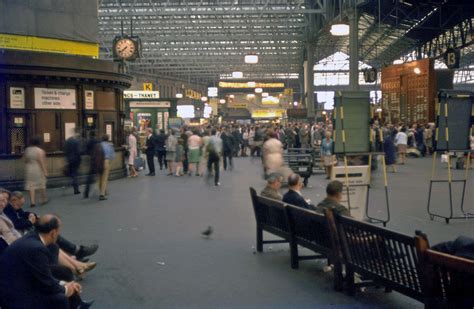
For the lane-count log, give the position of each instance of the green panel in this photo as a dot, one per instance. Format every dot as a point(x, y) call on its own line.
point(356, 107)
point(460, 109)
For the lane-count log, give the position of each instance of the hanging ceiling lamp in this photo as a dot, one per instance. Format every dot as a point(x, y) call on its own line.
point(251, 58)
point(237, 74)
point(340, 28)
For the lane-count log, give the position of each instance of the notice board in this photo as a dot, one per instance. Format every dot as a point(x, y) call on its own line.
point(352, 113)
point(459, 109)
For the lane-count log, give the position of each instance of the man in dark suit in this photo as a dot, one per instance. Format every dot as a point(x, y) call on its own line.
point(26, 280)
point(150, 151)
point(228, 143)
point(160, 148)
point(72, 152)
point(293, 196)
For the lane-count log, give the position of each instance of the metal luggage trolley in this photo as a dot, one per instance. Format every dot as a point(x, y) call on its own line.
point(300, 161)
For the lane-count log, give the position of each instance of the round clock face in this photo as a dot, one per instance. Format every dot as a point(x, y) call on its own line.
point(125, 48)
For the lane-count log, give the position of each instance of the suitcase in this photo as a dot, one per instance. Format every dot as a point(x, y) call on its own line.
point(139, 163)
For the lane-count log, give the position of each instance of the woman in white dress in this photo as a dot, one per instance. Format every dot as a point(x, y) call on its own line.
point(133, 153)
point(35, 171)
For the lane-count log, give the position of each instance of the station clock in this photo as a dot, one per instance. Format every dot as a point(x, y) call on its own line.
point(126, 48)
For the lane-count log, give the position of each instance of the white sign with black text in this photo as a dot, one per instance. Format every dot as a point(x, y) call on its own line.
point(155, 104)
point(89, 99)
point(50, 98)
point(358, 179)
point(17, 97)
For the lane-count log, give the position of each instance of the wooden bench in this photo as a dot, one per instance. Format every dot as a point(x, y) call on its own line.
point(448, 280)
point(301, 164)
point(384, 257)
point(270, 216)
point(310, 230)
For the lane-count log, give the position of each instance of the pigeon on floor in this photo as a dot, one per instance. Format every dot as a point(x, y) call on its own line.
point(207, 233)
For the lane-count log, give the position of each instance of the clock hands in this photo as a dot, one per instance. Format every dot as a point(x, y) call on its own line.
point(125, 48)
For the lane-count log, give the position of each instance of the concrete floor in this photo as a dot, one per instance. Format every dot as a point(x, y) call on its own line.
point(152, 255)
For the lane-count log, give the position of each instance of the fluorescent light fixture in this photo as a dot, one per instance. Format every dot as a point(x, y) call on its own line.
point(398, 61)
point(251, 84)
point(324, 112)
point(250, 96)
point(295, 103)
point(222, 101)
point(378, 110)
point(340, 29)
point(237, 74)
point(417, 71)
point(258, 90)
point(231, 96)
point(179, 96)
point(264, 94)
point(204, 99)
point(251, 58)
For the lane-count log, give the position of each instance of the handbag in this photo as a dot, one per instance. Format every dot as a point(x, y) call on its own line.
point(139, 163)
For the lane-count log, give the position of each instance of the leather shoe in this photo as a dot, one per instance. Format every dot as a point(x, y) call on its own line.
point(151, 174)
point(85, 304)
point(86, 251)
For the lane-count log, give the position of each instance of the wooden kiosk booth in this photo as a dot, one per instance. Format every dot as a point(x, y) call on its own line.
point(49, 95)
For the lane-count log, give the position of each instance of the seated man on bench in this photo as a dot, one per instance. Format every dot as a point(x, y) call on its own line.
point(273, 186)
point(333, 199)
point(294, 196)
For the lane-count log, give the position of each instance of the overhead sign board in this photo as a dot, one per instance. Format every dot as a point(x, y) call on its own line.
point(189, 93)
point(50, 98)
point(154, 104)
point(133, 94)
point(270, 100)
point(212, 92)
point(247, 85)
point(267, 113)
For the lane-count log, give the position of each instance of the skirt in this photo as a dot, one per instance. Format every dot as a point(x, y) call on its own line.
point(170, 155)
point(402, 148)
point(193, 155)
point(328, 160)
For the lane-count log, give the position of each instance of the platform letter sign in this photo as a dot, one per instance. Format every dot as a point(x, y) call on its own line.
point(17, 97)
point(451, 58)
point(370, 75)
point(50, 98)
point(147, 87)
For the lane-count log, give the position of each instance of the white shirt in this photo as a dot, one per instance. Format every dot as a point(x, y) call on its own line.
point(401, 138)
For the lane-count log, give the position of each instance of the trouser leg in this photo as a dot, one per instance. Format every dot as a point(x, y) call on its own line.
point(67, 246)
point(216, 171)
point(104, 177)
point(151, 163)
point(73, 173)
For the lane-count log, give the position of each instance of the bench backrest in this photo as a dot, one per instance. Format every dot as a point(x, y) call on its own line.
point(448, 279)
point(382, 254)
point(269, 212)
point(309, 227)
point(272, 213)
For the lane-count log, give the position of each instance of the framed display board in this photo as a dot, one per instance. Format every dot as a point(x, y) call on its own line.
point(456, 112)
point(352, 114)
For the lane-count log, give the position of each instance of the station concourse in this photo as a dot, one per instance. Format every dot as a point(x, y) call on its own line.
point(197, 154)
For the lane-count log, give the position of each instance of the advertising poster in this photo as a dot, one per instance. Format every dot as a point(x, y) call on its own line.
point(143, 121)
point(89, 99)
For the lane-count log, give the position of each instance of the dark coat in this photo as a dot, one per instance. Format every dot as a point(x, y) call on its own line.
point(160, 142)
point(228, 142)
point(389, 149)
point(25, 276)
point(462, 246)
point(150, 145)
point(72, 151)
point(19, 217)
point(294, 198)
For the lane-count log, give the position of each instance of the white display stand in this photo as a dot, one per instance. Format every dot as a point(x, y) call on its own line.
point(359, 180)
